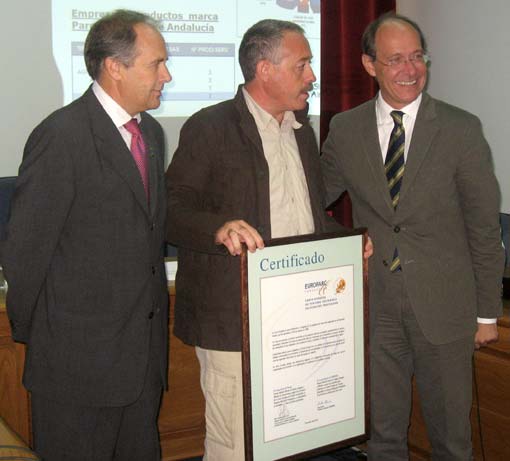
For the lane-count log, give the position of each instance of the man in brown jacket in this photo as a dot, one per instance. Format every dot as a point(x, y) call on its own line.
point(246, 170)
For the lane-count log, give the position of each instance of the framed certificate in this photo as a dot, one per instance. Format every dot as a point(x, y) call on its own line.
point(305, 353)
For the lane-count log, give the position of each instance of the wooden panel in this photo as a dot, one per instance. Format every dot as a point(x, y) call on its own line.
point(493, 378)
point(418, 456)
point(496, 436)
point(492, 365)
point(181, 420)
point(14, 403)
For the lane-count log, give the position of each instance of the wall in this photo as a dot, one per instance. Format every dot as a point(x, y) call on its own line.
point(468, 41)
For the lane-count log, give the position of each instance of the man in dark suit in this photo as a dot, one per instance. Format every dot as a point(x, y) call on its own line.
point(421, 180)
point(84, 255)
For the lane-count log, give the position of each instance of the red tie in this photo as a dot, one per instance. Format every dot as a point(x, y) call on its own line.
point(139, 152)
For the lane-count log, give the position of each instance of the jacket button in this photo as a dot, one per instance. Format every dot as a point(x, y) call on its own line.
point(153, 270)
point(151, 314)
point(396, 229)
point(385, 263)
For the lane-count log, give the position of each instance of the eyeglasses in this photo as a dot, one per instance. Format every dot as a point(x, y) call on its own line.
point(416, 59)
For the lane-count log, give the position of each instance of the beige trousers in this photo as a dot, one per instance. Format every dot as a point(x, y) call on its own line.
point(222, 385)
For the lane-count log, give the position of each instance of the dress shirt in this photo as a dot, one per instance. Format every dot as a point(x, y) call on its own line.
point(290, 209)
point(385, 126)
point(385, 123)
point(118, 115)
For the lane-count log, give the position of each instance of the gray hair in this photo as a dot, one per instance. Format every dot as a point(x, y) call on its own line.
point(113, 36)
point(368, 38)
point(262, 41)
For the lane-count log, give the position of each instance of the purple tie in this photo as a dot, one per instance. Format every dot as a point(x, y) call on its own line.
point(139, 152)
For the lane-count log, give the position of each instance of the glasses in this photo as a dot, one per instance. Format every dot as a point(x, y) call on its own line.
point(416, 59)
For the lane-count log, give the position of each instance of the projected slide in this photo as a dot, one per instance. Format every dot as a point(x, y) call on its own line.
point(202, 38)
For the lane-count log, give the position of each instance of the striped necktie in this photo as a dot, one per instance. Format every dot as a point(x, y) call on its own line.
point(394, 168)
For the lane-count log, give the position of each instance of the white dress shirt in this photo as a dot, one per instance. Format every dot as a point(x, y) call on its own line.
point(385, 123)
point(118, 115)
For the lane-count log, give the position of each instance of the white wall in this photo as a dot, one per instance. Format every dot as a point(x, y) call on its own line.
point(469, 43)
point(29, 81)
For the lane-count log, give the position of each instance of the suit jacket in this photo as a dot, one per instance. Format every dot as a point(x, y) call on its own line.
point(446, 224)
point(84, 258)
point(219, 173)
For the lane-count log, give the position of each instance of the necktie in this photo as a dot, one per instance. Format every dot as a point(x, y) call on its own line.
point(394, 167)
point(139, 152)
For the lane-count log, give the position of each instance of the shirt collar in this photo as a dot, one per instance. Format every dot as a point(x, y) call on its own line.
point(383, 109)
point(118, 115)
point(263, 119)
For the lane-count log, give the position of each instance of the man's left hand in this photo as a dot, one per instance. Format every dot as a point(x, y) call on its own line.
point(487, 333)
point(369, 249)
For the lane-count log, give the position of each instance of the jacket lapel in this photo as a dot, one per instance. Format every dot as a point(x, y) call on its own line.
point(112, 148)
point(154, 167)
point(425, 129)
point(303, 147)
point(246, 121)
point(372, 149)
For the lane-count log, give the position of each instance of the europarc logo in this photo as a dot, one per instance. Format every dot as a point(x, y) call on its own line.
point(321, 286)
point(303, 6)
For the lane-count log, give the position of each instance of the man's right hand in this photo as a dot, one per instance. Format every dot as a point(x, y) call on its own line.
point(233, 233)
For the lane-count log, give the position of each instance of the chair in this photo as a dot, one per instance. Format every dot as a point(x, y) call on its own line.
point(12, 447)
point(6, 191)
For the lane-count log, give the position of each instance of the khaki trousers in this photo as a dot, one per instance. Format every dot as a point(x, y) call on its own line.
point(222, 385)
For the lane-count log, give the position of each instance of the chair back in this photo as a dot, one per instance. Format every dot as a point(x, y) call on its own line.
point(6, 191)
